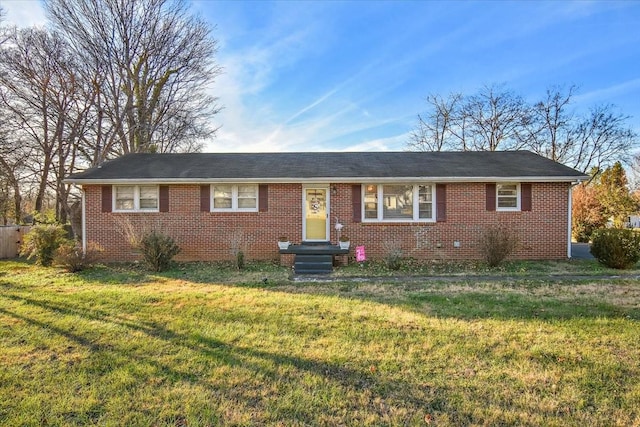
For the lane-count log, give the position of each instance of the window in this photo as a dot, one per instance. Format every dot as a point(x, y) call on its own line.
point(425, 198)
point(398, 202)
point(507, 197)
point(135, 198)
point(222, 196)
point(125, 197)
point(371, 202)
point(227, 197)
point(148, 197)
point(247, 197)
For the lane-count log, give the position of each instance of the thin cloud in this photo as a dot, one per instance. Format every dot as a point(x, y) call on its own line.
point(609, 92)
point(312, 105)
point(24, 13)
point(333, 76)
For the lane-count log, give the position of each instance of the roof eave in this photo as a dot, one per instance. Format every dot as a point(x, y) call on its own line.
point(346, 180)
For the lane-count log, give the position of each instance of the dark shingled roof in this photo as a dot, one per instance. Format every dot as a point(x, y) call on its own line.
point(298, 167)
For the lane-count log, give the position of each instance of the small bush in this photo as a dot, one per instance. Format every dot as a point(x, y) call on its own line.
point(496, 244)
point(158, 250)
point(393, 259)
point(616, 248)
point(42, 241)
point(238, 246)
point(70, 256)
point(240, 260)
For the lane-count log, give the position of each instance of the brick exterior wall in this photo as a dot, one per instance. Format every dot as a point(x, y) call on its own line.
point(208, 236)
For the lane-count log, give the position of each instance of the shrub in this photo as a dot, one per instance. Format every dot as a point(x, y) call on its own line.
point(42, 241)
point(496, 244)
point(616, 248)
point(240, 260)
point(238, 246)
point(158, 250)
point(393, 259)
point(71, 257)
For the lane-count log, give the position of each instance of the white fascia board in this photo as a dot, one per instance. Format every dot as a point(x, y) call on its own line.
point(319, 180)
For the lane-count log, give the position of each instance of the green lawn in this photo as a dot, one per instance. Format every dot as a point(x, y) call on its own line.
point(198, 345)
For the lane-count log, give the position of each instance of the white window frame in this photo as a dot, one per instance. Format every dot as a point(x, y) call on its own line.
point(136, 198)
point(416, 203)
point(518, 197)
point(234, 198)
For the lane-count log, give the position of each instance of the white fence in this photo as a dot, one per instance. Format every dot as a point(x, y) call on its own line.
point(11, 239)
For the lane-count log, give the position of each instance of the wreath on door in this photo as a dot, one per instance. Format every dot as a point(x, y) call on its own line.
point(315, 205)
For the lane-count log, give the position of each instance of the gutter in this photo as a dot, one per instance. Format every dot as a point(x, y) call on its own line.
point(319, 180)
point(84, 222)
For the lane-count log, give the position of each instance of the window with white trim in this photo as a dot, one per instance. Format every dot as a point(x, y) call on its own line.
point(231, 198)
point(132, 198)
point(398, 202)
point(508, 196)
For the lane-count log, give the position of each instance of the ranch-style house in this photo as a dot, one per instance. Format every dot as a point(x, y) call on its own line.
point(428, 205)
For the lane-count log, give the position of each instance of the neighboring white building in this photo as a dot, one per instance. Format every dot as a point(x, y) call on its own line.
point(633, 221)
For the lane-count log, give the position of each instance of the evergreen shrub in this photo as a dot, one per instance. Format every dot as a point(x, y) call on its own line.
point(616, 248)
point(42, 241)
point(158, 250)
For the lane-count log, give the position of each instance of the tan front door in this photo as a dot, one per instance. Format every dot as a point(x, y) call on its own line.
point(316, 204)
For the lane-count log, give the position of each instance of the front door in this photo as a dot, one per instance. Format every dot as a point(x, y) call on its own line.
point(315, 222)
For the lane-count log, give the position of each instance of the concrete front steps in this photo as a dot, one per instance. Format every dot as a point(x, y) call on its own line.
point(313, 264)
point(314, 257)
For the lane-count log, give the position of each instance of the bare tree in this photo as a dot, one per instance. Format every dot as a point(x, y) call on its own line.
point(592, 141)
point(492, 119)
point(602, 138)
point(120, 76)
point(152, 64)
point(550, 133)
point(438, 130)
point(13, 158)
point(2, 15)
point(43, 110)
point(12, 168)
point(496, 119)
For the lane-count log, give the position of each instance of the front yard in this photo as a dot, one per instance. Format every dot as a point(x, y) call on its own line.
point(198, 345)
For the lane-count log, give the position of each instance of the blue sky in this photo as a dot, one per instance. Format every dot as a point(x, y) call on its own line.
point(333, 76)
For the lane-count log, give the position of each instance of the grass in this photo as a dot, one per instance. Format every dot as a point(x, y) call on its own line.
point(201, 345)
point(410, 267)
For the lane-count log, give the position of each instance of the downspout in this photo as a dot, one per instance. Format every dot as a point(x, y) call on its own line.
point(84, 222)
point(569, 220)
point(569, 217)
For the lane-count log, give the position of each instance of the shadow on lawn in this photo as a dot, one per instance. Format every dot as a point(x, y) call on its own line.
point(480, 298)
point(384, 393)
point(469, 300)
point(473, 305)
point(378, 394)
point(429, 296)
point(196, 272)
point(498, 297)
